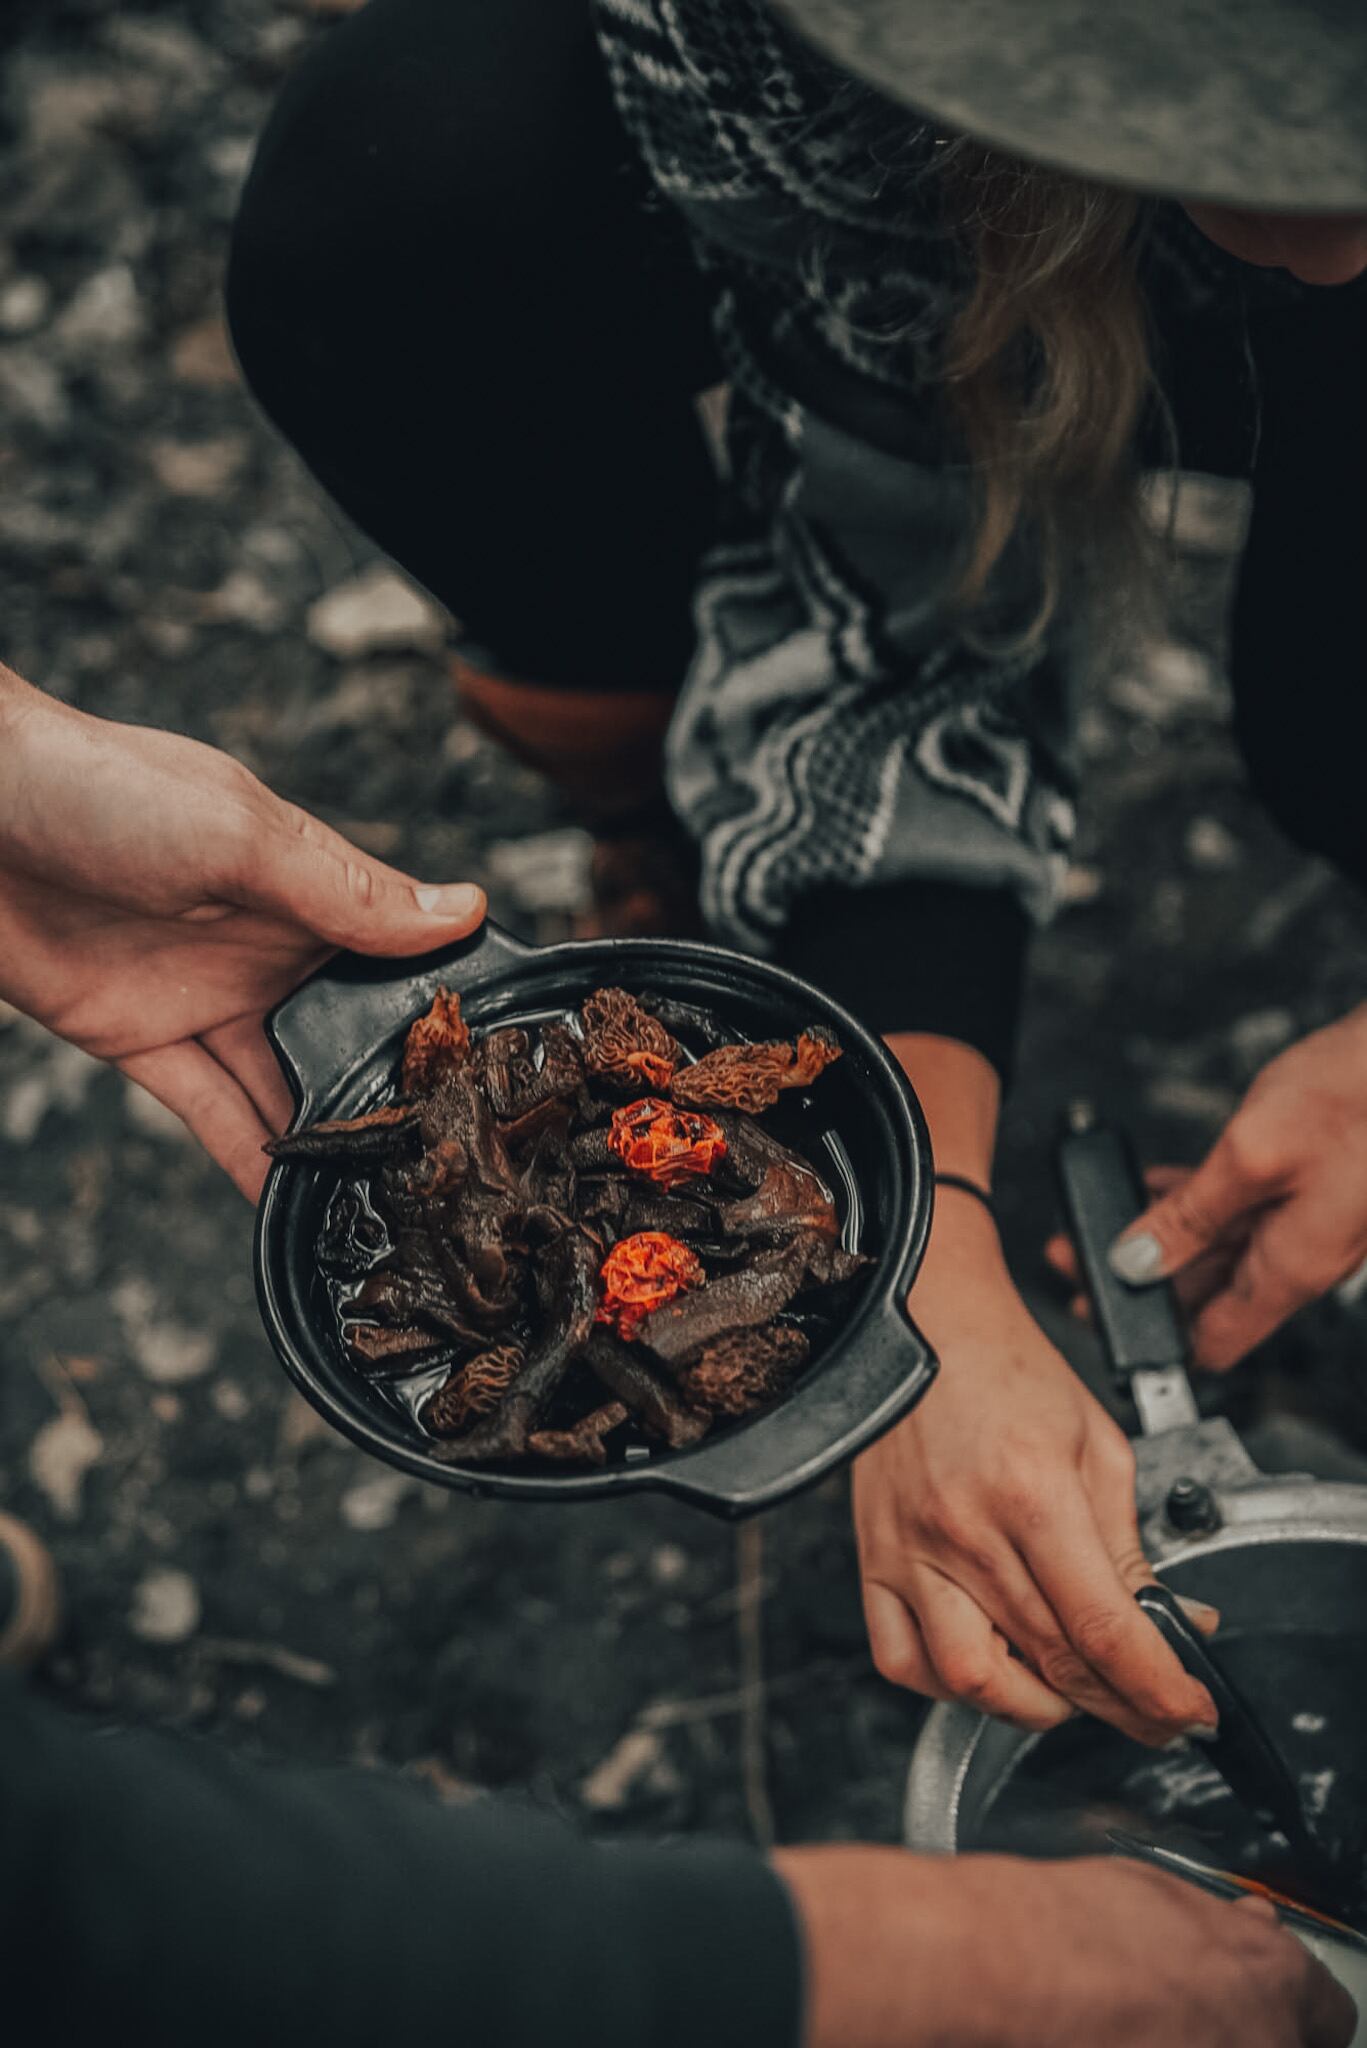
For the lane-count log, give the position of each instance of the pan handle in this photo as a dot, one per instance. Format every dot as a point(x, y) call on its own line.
point(354, 1003)
point(1140, 1329)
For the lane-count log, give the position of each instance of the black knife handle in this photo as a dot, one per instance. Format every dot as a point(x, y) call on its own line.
point(1241, 1749)
point(1103, 1191)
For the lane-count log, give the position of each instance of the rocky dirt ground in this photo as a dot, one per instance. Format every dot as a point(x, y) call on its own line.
point(230, 1565)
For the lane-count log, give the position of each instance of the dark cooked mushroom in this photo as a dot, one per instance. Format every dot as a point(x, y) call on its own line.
point(568, 1285)
point(385, 1351)
point(582, 1442)
point(790, 1198)
point(628, 1373)
point(370, 1140)
point(740, 1371)
point(437, 1046)
point(473, 1389)
point(625, 1045)
point(680, 1332)
point(750, 1077)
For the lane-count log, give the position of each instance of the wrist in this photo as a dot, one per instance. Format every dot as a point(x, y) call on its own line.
point(25, 715)
point(870, 1978)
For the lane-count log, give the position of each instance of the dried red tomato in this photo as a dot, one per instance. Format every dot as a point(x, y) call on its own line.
point(643, 1273)
point(668, 1144)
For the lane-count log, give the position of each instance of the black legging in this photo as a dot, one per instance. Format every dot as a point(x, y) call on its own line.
point(454, 291)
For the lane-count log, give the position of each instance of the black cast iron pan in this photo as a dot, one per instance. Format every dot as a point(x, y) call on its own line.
point(339, 1039)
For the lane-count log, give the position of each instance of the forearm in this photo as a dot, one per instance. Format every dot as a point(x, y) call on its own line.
point(172, 1892)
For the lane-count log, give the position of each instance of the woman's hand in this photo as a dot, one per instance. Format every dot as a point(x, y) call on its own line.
point(1276, 1214)
point(156, 901)
point(1000, 1516)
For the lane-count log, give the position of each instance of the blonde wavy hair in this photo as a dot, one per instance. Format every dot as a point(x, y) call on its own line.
point(1048, 373)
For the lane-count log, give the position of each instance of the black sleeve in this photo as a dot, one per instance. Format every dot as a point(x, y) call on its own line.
point(944, 958)
point(161, 1891)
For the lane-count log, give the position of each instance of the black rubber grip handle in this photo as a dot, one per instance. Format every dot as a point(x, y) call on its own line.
point(1102, 1191)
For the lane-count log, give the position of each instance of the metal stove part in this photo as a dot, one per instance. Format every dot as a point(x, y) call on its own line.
point(1190, 1506)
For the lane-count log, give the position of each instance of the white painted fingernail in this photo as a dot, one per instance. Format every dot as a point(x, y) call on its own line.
point(1136, 1259)
point(1202, 1731)
point(453, 899)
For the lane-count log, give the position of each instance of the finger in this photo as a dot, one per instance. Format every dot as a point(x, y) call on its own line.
point(1059, 1250)
point(1284, 1266)
point(214, 1107)
point(970, 1657)
point(1328, 2015)
point(301, 869)
point(1191, 1218)
point(243, 1048)
point(1117, 1518)
point(895, 1642)
point(1097, 1612)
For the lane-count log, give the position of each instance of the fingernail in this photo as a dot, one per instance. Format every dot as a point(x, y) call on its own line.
point(1199, 1611)
point(452, 899)
point(1136, 1259)
point(1202, 1731)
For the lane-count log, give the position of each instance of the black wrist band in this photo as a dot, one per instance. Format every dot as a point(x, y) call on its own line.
point(968, 1187)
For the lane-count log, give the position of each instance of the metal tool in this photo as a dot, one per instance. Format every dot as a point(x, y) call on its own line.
point(1103, 1192)
point(1228, 1884)
point(1242, 1753)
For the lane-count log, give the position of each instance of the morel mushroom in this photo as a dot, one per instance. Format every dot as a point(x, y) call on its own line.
point(624, 1044)
point(740, 1371)
point(473, 1390)
point(750, 1077)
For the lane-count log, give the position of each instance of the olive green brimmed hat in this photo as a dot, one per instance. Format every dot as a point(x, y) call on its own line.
point(1251, 103)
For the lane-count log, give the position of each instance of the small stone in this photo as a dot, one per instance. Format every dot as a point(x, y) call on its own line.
point(242, 599)
point(102, 314)
point(164, 1351)
point(230, 1401)
point(638, 1759)
point(167, 1407)
point(171, 638)
point(230, 157)
point(202, 355)
point(376, 611)
point(166, 1606)
point(258, 1482)
point(24, 304)
point(545, 873)
point(32, 389)
point(1255, 1038)
point(251, 1704)
point(669, 1564)
point(59, 1457)
point(1212, 847)
point(1081, 884)
point(197, 469)
point(375, 1503)
point(60, 1081)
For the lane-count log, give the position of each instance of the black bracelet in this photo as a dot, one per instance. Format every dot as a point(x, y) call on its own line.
point(968, 1187)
